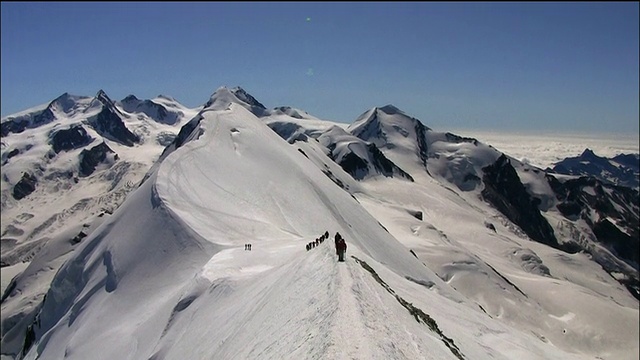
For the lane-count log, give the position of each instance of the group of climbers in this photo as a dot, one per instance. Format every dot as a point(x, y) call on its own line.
point(341, 244)
point(318, 241)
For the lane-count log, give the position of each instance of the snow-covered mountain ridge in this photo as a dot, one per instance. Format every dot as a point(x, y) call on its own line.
point(72, 160)
point(441, 262)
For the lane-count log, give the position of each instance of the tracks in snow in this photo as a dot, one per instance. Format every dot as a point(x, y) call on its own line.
point(349, 338)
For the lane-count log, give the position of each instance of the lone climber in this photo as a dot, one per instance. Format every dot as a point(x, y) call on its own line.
point(341, 248)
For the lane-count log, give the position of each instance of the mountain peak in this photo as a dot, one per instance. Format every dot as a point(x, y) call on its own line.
point(130, 97)
point(241, 94)
point(293, 112)
point(223, 97)
point(103, 98)
point(619, 170)
point(65, 95)
point(109, 122)
point(378, 122)
point(220, 99)
point(166, 97)
point(588, 153)
point(390, 110)
point(65, 101)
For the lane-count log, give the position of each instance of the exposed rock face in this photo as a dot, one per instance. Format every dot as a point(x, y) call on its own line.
point(255, 106)
point(288, 131)
point(375, 163)
point(109, 124)
point(354, 165)
point(384, 165)
point(25, 186)
point(504, 190)
point(8, 155)
point(150, 108)
point(381, 126)
point(186, 132)
point(19, 124)
point(453, 138)
point(632, 161)
point(421, 138)
point(89, 159)
point(582, 197)
point(68, 139)
point(371, 129)
point(294, 113)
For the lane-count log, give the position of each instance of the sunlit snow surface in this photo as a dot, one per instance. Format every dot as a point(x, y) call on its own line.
point(167, 276)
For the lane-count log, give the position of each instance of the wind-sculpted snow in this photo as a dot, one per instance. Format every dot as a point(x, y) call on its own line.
point(123, 277)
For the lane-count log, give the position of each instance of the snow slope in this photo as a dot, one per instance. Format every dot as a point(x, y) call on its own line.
point(167, 276)
point(442, 218)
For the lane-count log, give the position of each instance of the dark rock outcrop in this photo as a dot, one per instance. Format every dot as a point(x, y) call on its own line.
point(385, 166)
point(189, 131)
point(25, 186)
point(150, 108)
point(457, 139)
point(354, 165)
point(371, 130)
point(625, 246)
point(373, 127)
point(19, 124)
point(288, 131)
point(68, 139)
point(9, 154)
point(89, 159)
point(421, 138)
point(254, 105)
point(631, 161)
point(294, 113)
point(13, 153)
point(416, 214)
point(109, 124)
point(583, 197)
point(359, 168)
point(504, 190)
point(186, 131)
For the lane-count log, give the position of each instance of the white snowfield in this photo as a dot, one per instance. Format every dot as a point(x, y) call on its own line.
point(168, 277)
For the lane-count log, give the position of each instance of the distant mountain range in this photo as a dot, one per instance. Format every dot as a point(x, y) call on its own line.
point(123, 222)
point(622, 169)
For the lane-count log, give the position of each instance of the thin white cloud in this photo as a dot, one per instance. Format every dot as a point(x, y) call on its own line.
point(544, 150)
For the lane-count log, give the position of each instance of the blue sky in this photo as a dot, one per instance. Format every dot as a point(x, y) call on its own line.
point(567, 67)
